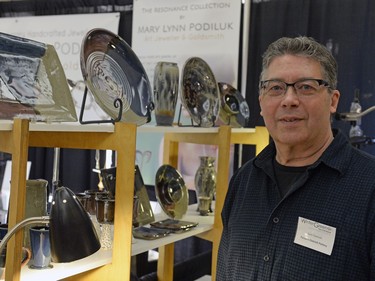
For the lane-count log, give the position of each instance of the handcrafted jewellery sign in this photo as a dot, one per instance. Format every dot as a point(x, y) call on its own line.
point(170, 30)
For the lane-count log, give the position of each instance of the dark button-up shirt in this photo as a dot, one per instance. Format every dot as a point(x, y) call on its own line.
point(260, 226)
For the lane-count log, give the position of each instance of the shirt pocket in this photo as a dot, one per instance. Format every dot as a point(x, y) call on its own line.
point(302, 263)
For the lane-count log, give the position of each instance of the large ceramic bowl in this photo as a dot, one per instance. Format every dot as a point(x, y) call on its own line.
point(113, 71)
point(234, 110)
point(171, 191)
point(199, 92)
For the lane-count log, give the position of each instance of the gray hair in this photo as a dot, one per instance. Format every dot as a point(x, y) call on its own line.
point(306, 47)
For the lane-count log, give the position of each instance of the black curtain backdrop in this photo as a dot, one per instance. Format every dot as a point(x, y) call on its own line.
point(347, 27)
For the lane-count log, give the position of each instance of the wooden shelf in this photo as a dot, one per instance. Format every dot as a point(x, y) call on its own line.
point(104, 257)
point(17, 136)
point(6, 125)
point(223, 137)
point(205, 224)
point(64, 270)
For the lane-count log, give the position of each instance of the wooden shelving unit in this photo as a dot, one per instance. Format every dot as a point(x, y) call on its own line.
point(223, 137)
point(16, 137)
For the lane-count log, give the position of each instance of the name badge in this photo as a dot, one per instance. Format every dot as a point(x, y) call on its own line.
point(316, 236)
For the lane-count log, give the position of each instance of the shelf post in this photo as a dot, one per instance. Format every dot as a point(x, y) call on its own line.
point(223, 165)
point(20, 142)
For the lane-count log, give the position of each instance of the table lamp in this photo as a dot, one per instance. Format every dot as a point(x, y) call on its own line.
point(72, 234)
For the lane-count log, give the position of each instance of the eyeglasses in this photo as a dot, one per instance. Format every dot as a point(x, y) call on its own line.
point(303, 88)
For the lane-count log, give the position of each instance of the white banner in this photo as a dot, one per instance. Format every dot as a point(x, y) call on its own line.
point(65, 33)
point(175, 30)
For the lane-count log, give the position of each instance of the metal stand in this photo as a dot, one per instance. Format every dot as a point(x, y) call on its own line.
point(192, 122)
point(117, 104)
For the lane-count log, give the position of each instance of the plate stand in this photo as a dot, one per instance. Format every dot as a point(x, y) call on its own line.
point(229, 116)
point(117, 104)
point(192, 122)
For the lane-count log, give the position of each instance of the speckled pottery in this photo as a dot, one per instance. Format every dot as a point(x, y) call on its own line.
point(205, 184)
point(166, 79)
point(200, 93)
point(234, 110)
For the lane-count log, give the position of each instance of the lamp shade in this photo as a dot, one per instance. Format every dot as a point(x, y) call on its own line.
point(72, 234)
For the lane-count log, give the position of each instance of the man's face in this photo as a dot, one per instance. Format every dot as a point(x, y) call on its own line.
point(294, 119)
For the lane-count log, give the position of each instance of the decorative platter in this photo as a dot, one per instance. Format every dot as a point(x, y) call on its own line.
point(112, 72)
point(33, 84)
point(175, 226)
point(234, 110)
point(171, 192)
point(149, 233)
point(199, 92)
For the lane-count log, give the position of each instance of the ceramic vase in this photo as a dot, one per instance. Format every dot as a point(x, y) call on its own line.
point(205, 184)
point(36, 203)
point(166, 79)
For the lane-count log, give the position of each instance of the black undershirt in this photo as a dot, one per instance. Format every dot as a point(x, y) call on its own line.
point(286, 176)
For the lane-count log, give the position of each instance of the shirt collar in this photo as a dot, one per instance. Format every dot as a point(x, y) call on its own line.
point(337, 155)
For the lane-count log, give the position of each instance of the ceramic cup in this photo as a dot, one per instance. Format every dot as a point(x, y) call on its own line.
point(40, 247)
point(105, 209)
point(83, 199)
point(90, 201)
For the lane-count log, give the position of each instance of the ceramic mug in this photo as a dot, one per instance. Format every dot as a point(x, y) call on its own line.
point(83, 199)
point(105, 209)
point(40, 247)
point(90, 201)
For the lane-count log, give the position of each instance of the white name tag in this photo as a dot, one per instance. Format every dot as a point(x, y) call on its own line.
point(315, 235)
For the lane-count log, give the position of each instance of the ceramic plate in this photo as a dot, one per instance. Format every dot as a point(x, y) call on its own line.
point(234, 110)
point(171, 192)
point(33, 84)
point(174, 225)
point(113, 71)
point(149, 233)
point(199, 92)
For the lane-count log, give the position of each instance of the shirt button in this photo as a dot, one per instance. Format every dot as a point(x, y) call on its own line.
point(276, 220)
point(266, 258)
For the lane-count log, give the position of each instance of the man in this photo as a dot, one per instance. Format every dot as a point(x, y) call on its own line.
point(304, 208)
